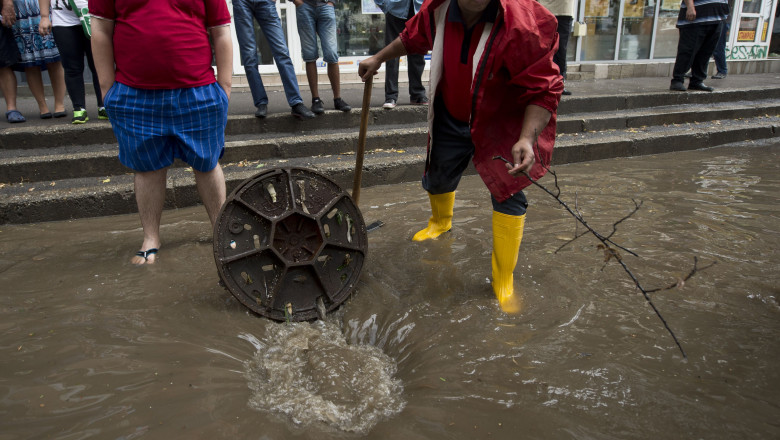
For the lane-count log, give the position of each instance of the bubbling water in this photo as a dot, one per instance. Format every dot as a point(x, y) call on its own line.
point(308, 373)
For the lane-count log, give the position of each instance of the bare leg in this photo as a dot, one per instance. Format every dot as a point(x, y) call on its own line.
point(8, 86)
point(150, 197)
point(35, 83)
point(311, 75)
point(57, 77)
point(211, 187)
point(334, 76)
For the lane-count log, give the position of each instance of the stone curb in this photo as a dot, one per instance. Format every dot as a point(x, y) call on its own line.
point(88, 198)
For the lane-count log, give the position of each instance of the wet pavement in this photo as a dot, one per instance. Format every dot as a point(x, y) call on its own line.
point(92, 347)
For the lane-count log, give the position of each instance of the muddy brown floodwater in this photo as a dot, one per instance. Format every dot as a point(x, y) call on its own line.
point(91, 347)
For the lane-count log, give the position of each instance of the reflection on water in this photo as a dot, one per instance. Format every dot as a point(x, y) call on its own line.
point(92, 347)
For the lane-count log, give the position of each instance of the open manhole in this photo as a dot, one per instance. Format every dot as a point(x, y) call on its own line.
point(290, 244)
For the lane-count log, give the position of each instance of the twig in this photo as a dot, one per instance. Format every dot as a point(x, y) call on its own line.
point(610, 247)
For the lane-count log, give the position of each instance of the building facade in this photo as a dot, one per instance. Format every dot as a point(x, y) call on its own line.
point(604, 31)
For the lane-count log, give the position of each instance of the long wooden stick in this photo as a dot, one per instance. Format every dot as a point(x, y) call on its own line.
point(361, 151)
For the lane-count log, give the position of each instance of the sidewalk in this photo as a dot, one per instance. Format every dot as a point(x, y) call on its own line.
point(241, 99)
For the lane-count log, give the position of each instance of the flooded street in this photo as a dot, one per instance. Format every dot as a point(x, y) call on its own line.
point(92, 347)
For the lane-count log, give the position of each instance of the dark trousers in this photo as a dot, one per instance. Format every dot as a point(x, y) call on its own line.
point(451, 152)
point(697, 42)
point(564, 30)
point(416, 63)
point(73, 46)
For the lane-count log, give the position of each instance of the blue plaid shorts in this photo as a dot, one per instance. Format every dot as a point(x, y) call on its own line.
point(153, 127)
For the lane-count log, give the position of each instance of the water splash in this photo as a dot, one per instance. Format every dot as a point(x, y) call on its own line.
point(309, 373)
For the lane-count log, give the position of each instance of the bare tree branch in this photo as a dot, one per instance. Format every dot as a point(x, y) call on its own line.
point(610, 248)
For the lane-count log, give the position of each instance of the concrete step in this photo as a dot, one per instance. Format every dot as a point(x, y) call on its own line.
point(113, 194)
point(607, 100)
point(386, 133)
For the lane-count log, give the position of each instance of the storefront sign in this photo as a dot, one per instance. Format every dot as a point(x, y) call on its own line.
point(746, 36)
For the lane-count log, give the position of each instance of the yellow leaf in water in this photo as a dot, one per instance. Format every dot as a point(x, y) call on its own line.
point(53, 183)
point(106, 180)
point(401, 151)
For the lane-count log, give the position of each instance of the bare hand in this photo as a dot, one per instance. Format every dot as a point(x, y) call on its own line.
point(523, 156)
point(690, 14)
point(9, 15)
point(368, 68)
point(44, 27)
point(227, 88)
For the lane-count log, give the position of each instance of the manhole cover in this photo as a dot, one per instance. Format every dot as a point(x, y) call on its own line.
point(290, 244)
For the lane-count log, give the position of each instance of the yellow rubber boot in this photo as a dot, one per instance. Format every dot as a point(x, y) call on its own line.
point(507, 235)
point(441, 216)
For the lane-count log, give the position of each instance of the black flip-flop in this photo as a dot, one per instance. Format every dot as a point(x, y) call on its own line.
point(46, 115)
point(59, 114)
point(145, 254)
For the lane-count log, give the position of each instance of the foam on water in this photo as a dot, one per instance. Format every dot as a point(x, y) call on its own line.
point(310, 374)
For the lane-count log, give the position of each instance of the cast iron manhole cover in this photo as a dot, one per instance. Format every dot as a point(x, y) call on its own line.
point(290, 244)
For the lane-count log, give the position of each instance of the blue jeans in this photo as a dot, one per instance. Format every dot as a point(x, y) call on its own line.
point(720, 50)
point(316, 21)
point(264, 11)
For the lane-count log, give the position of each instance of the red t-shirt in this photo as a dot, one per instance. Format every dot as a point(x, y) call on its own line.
point(162, 44)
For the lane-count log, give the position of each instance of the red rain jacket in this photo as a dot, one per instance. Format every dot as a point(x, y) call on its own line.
point(515, 68)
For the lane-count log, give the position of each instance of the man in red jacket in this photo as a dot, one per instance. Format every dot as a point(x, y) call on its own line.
point(495, 92)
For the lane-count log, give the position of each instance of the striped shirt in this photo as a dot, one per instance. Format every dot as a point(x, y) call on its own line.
point(707, 12)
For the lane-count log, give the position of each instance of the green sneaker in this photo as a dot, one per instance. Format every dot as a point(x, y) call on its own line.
point(102, 114)
point(79, 116)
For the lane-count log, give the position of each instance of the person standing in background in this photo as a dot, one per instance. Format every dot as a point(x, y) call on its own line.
point(264, 11)
point(38, 52)
point(317, 18)
point(564, 11)
point(397, 12)
point(9, 56)
point(700, 23)
point(61, 21)
point(719, 54)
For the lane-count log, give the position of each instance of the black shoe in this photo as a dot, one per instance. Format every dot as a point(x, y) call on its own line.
point(341, 105)
point(262, 111)
point(301, 112)
point(317, 107)
point(566, 92)
point(677, 86)
point(419, 101)
point(701, 87)
point(719, 76)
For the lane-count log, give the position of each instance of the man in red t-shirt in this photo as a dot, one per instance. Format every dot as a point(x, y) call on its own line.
point(495, 91)
point(153, 59)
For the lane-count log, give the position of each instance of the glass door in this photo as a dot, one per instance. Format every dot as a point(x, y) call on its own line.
point(754, 21)
point(636, 33)
point(667, 35)
point(602, 20)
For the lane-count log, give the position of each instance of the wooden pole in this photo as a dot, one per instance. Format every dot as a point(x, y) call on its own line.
point(361, 151)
